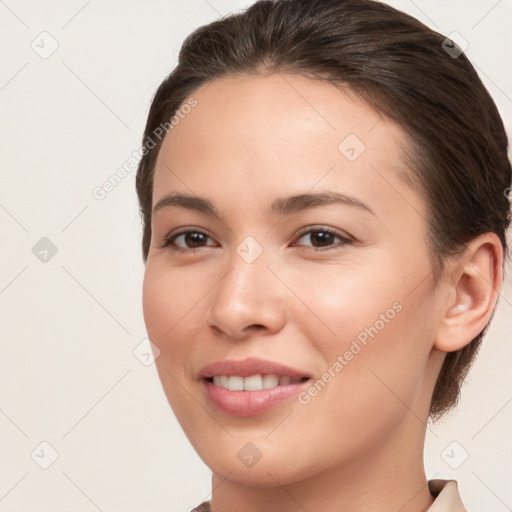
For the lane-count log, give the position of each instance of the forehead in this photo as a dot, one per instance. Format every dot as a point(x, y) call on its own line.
point(255, 135)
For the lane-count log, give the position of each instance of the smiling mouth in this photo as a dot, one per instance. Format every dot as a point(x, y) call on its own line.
point(255, 382)
point(251, 386)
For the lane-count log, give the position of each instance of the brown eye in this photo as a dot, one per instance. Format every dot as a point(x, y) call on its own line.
point(187, 240)
point(323, 238)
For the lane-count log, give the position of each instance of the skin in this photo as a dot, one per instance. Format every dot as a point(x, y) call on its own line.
point(358, 444)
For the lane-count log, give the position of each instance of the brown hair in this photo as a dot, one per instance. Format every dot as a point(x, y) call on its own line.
point(411, 74)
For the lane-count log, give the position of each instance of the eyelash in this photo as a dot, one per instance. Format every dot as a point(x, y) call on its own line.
point(169, 241)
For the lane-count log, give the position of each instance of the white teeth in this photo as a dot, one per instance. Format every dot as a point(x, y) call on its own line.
point(236, 383)
point(253, 382)
point(270, 381)
point(221, 380)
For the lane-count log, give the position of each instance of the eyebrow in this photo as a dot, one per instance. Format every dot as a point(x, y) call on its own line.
point(282, 206)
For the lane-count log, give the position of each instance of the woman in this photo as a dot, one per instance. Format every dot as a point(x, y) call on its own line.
point(324, 202)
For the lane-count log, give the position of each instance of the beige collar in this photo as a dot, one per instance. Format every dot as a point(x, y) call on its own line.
point(447, 498)
point(445, 492)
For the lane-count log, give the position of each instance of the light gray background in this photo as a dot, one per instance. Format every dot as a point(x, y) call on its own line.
point(68, 375)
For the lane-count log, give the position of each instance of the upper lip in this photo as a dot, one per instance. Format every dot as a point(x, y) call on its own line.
point(247, 367)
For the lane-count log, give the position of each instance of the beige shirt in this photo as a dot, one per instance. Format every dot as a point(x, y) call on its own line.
point(445, 492)
point(447, 498)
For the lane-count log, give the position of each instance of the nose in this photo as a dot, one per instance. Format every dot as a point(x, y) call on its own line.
point(248, 299)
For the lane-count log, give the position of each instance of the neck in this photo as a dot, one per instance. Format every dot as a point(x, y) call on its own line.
point(389, 477)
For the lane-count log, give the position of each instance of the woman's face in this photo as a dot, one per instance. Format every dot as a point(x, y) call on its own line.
point(305, 249)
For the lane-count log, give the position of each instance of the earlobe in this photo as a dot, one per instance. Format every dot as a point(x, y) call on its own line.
point(476, 281)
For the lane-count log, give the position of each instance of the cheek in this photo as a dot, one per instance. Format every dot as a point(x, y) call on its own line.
point(168, 297)
point(375, 337)
point(169, 304)
point(343, 300)
point(157, 304)
point(365, 295)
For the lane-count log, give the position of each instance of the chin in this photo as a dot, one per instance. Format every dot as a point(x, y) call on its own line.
point(273, 468)
point(262, 475)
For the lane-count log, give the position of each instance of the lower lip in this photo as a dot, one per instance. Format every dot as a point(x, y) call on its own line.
point(250, 403)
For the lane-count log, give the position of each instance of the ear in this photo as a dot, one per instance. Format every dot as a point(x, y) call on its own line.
point(473, 283)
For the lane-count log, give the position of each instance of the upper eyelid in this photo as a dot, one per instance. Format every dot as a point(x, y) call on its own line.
point(334, 231)
point(168, 238)
point(187, 229)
